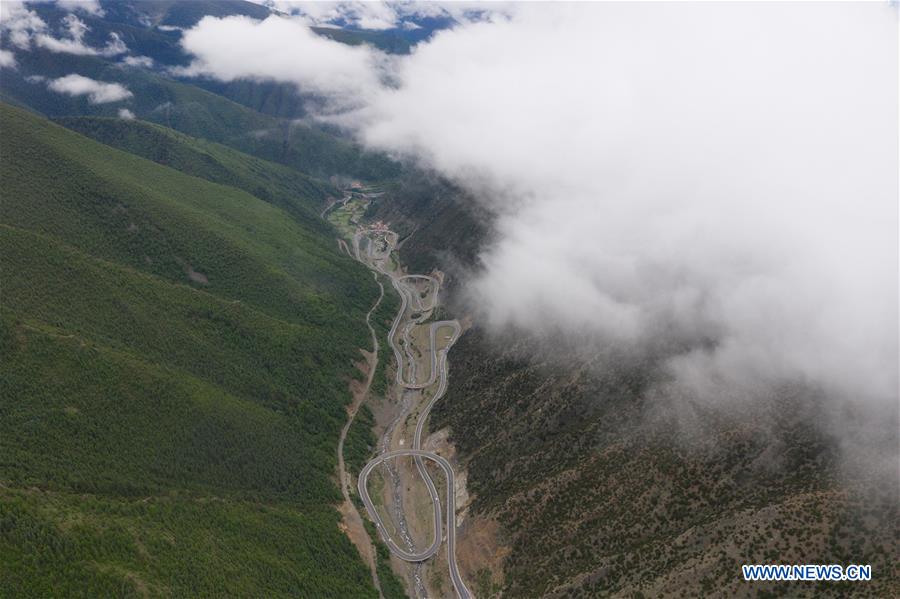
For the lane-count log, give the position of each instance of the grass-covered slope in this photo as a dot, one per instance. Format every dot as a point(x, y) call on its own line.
point(120, 207)
point(301, 196)
point(175, 364)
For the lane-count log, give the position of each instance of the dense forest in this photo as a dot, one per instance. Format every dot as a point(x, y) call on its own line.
point(176, 360)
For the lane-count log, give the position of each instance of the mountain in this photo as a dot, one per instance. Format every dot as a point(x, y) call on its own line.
point(592, 490)
point(178, 327)
point(190, 110)
point(298, 194)
point(152, 29)
point(176, 360)
point(582, 486)
point(180, 336)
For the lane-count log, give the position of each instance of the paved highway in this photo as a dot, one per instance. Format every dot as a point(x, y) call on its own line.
point(409, 295)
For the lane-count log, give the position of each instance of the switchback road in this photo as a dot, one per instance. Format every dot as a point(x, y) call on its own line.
point(412, 312)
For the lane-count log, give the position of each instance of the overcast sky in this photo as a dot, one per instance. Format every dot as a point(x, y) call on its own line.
point(721, 172)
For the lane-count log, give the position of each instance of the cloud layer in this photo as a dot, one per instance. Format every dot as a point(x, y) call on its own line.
point(718, 177)
point(721, 175)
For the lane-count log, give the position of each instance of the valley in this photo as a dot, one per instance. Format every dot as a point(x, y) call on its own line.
point(388, 300)
point(420, 347)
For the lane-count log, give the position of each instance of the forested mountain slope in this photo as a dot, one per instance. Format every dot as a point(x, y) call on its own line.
point(440, 225)
point(600, 491)
point(176, 358)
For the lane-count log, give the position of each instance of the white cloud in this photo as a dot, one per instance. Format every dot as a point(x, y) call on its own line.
point(379, 15)
point(720, 177)
point(7, 60)
point(281, 49)
point(126, 114)
point(24, 27)
point(91, 7)
point(138, 61)
point(73, 44)
point(97, 92)
point(722, 173)
point(365, 15)
point(114, 46)
point(19, 23)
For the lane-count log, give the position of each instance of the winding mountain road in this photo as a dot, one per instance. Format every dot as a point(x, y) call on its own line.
point(409, 295)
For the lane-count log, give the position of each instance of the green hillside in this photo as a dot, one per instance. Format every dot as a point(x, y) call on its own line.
point(175, 362)
point(193, 111)
point(299, 195)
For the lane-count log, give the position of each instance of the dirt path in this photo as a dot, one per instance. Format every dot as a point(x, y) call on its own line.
point(352, 521)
